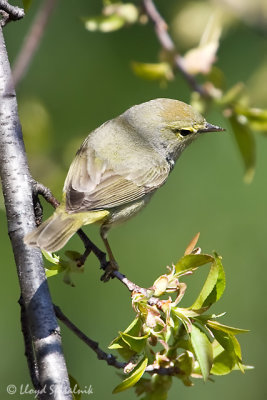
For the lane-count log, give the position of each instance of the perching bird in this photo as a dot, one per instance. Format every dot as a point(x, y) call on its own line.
point(119, 167)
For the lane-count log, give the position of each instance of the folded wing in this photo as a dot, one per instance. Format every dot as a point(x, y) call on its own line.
point(95, 182)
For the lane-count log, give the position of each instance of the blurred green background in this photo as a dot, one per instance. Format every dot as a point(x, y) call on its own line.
point(77, 81)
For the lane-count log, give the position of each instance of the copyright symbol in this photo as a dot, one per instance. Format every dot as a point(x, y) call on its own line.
point(11, 389)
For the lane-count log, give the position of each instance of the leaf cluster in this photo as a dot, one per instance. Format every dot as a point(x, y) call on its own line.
point(169, 341)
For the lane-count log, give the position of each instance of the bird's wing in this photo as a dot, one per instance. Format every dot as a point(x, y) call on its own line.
point(93, 182)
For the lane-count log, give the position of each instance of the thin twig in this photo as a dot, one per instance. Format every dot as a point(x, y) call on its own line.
point(101, 355)
point(39, 188)
point(9, 12)
point(32, 40)
point(161, 29)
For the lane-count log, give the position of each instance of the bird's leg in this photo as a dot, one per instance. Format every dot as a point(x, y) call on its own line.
point(112, 264)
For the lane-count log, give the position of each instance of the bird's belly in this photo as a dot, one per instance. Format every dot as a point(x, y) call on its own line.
point(122, 214)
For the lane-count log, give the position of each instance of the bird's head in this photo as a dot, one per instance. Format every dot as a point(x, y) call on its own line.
point(168, 124)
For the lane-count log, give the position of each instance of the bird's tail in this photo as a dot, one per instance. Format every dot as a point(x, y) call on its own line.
point(54, 233)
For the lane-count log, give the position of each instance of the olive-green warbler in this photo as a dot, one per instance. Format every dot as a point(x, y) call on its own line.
point(119, 167)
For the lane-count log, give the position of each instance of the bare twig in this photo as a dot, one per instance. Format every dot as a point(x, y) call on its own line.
point(101, 355)
point(39, 188)
point(161, 29)
point(9, 12)
point(32, 40)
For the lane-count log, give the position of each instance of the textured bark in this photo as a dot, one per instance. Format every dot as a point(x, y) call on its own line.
point(17, 190)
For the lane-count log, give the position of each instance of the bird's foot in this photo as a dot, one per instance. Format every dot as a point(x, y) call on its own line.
point(109, 268)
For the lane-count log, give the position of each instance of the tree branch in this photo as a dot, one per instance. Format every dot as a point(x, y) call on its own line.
point(101, 355)
point(32, 40)
point(10, 12)
point(17, 190)
point(161, 30)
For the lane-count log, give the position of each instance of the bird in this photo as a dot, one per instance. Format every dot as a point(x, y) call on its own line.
point(118, 168)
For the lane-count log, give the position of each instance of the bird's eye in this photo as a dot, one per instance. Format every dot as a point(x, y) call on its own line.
point(185, 132)
point(182, 132)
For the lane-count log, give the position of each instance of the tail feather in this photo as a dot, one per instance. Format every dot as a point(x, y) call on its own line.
point(54, 233)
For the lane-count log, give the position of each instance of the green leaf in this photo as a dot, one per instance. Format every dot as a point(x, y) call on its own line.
point(75, 388)
point(133, 329)
point(133, 378)
point(192, 261)
point(224, 328)
point(213, 287)
point(185, 362)
point(155, 388)
point(231, 346)
point(121, 345)
point(128, 11)
point(183, 318)
point(56, 267)
point(223, 364)
point(104, 23)
point(246, 144)
point(51, 257)
point(158, 71)
point(53, 272)
point(136, 343)
point(203, 350)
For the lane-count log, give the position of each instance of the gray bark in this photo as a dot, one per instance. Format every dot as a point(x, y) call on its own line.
point(17, 189)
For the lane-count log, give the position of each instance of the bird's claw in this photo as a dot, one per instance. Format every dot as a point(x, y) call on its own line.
point(109, 268)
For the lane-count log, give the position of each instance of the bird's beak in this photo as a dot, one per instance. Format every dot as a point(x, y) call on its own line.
point(210, 128)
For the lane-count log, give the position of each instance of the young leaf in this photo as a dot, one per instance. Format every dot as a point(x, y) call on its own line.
point(104, 23)
point(119, 344)
point(136, 343)
point(203, 350)
point(51, 257)
point(53, 272)
point(232, 348)
point(213, 287)
point(158, 71)
point(192, 261)
point(133, 378)
point(183, 318)
point(223, 364)
point(246, 144)
point(225, 328)
point(160, 285)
